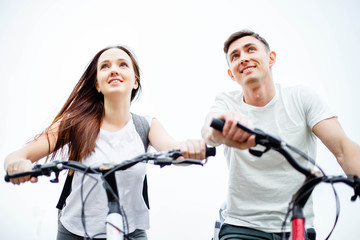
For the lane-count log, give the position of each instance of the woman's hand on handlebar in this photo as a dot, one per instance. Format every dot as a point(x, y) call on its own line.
point(193, 148)
point(20, 165)
point(232, 135)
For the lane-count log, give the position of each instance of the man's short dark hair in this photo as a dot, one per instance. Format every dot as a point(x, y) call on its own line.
point(243, 33)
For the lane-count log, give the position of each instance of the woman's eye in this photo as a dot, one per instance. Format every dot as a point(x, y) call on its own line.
point(104, 66)
point(251, 49)
point(123, 64)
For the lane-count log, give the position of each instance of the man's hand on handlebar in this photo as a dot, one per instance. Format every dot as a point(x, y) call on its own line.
point(232, 135)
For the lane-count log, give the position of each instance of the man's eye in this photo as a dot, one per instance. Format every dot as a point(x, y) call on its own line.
point(251, 49)
point(234, 57)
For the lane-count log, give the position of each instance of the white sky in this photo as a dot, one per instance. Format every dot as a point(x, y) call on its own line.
point(46, 45)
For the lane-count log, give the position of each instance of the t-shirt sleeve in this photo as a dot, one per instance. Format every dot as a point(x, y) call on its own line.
point(149, 119)
point(315, 108)
point(220, 104)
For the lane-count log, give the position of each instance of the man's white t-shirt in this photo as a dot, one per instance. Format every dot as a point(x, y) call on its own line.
point(111, 147)
point(260, 189)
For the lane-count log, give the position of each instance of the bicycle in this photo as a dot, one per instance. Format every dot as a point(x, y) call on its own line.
point(312, 178)
point(116, 222)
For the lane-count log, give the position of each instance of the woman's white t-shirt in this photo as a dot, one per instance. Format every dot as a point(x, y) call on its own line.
point(111, 147)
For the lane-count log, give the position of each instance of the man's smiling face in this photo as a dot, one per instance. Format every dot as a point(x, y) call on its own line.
point(249, 60)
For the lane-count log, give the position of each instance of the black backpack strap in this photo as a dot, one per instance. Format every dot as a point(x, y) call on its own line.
point(143, 128)
point(145, 192)
point(65, 192)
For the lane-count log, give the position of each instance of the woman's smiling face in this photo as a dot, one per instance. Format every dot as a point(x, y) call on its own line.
point(115, 73)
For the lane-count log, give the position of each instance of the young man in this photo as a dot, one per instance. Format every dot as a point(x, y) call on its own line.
point(260, 189)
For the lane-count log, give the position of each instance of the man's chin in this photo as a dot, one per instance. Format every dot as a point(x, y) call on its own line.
point(252, 81)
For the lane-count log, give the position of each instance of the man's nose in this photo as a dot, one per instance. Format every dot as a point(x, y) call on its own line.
point(244, 58)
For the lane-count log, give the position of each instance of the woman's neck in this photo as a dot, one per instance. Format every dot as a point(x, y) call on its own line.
point(117, 115)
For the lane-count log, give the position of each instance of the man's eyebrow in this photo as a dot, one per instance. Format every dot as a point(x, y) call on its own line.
point(249, 44)
point(244, 46)
point(233, 51)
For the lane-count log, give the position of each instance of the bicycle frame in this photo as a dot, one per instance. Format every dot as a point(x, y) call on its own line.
point(115, 229)
point(311, 181)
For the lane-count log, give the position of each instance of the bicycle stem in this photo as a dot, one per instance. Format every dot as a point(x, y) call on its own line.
point(114, 220)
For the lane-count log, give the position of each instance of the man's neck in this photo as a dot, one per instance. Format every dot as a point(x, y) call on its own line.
point(259, 94)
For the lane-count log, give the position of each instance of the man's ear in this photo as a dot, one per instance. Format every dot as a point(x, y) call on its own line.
point(231, 75)
point(272, 56)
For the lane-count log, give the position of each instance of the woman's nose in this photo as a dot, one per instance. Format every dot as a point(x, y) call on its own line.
point(114, 72)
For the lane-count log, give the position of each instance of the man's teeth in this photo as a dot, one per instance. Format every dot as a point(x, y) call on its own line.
point(248, 69)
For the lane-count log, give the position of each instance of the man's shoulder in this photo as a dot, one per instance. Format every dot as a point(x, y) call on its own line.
point(291, 87)
point(236, 94)
point(294, 90)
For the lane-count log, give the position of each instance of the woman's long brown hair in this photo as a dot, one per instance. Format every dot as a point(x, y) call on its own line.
point(81, 116)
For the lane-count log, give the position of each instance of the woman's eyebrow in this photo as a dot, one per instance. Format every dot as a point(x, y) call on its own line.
point(118, 60)
point(104, 61)
point(122, 59)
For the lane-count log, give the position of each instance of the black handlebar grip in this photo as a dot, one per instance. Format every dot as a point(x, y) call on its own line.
point(217, 124)
point(210, 151)
point(7, 179)
point(19, 174)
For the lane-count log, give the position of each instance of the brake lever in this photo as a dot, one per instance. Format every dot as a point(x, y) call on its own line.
point(356, 188)
point(171, 154)
point(261, 138)
point(191, 161)
point(46, 170)
point(162, 162)
point(174, 154)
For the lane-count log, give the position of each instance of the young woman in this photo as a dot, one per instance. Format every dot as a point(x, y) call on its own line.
point(95, 126)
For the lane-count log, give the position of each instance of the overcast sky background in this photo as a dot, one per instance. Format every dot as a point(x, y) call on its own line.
point(46, 45)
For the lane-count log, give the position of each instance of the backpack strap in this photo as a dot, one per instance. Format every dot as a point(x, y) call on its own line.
point(143, 128)
point(66, 191)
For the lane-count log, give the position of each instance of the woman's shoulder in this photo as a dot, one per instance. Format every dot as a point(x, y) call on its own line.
point(141, 119)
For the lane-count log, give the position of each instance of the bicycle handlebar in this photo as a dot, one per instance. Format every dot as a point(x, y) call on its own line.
point(312, 178)
point(157, 158)
point(261, 137)
point(269, 142)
